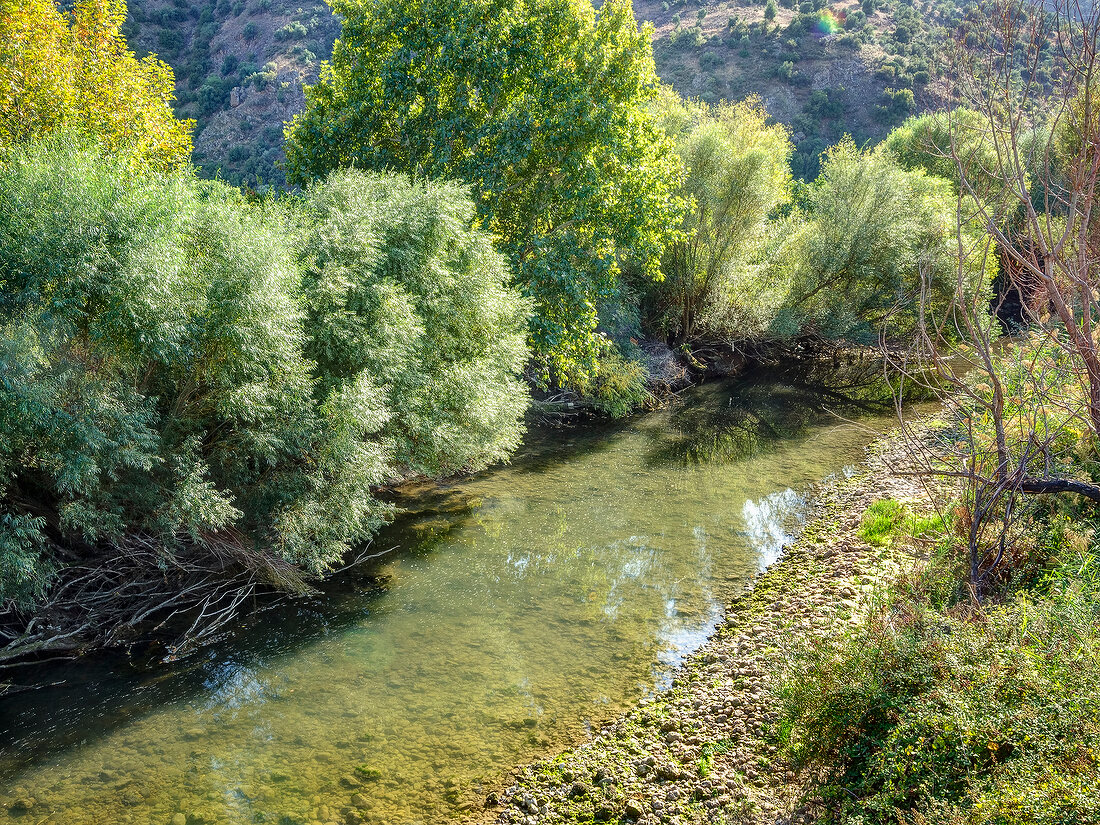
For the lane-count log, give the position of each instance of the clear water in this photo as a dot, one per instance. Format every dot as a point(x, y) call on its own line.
point(519, 607)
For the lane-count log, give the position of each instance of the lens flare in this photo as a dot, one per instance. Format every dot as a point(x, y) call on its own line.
point(828, 22)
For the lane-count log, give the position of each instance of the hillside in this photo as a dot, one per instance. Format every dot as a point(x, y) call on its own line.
point(852, 67)
point(240, 68)
point(848, 67)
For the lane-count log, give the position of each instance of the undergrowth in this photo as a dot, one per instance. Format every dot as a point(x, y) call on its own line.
point(941, 710)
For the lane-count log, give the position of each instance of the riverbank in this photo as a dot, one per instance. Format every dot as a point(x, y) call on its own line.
point(705, 750)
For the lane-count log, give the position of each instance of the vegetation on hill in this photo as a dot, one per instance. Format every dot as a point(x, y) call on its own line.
point(240, 66)
point(823, 69)
point(74, 71)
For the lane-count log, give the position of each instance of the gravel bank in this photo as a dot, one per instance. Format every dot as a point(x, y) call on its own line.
point(703, 751)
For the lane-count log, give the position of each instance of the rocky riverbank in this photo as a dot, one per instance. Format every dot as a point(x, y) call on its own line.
point(705, 750)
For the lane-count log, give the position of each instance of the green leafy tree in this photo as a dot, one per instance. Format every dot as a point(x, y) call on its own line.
point(227, 382)
point(876, 236)
point(408, 303)
point(737, 173)
point(543, 109)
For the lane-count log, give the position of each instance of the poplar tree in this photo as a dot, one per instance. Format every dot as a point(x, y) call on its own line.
point(542, 108)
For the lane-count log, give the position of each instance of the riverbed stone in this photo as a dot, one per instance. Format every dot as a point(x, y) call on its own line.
point(22, 804)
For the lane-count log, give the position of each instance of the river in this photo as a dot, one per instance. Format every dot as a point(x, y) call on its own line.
point(517, 609)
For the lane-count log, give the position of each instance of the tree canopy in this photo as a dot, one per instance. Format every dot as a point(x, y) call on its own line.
point(737, 173)
point(542, 108)
point(73, 71)
point(877, 241)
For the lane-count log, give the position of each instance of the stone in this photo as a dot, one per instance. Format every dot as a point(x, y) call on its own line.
point(578, 789)
point(179, 819)
point(633, 809)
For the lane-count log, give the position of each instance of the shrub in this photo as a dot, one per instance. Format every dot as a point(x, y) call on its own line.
point(165, 375)
point(619, 387)
point(407, 303)
point(263, 78)
point(923, 715)
point(291, 31)
point(736, 173)
point(876, 236)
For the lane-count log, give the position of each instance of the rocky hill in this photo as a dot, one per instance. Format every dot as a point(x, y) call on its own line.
point(240, 67)
point(850, 67)
point(855, 67)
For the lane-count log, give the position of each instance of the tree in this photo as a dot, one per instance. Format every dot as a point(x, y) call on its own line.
point(876, 238)
point(542, 108)
point(73, 71)
point(736, 173)
point(1025, 415)
point(404, 294)
point(770, 11)
point(199, 394)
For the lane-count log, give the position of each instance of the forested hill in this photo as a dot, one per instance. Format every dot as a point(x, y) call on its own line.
point(850, 67)
point(855, 67)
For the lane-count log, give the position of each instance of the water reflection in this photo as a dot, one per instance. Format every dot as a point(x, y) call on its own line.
point(727, 427)
point(525, 605)
point(772, 522)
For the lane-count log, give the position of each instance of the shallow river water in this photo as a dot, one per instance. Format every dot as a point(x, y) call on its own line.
point(519, 607)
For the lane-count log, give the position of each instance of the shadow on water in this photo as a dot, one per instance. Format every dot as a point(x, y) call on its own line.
point(729, 423)
point(520, 606)
point(91, 696)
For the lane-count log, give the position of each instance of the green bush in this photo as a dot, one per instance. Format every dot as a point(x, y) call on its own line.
point(887, 520)
point(401, 293)
point(291, 31)
point(880, 520)
point(737, 172)
point(928, 714)
point(873, 237)
point(164, 374)
point(619, 387)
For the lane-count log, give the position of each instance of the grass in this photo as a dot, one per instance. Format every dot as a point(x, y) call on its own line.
point(887, 521)
point(711, 750)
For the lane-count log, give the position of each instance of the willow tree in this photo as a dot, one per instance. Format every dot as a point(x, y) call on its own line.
point(875, 240)
point(72, 70)
point(737, 172)
point(199, 394)
point(542, 108)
